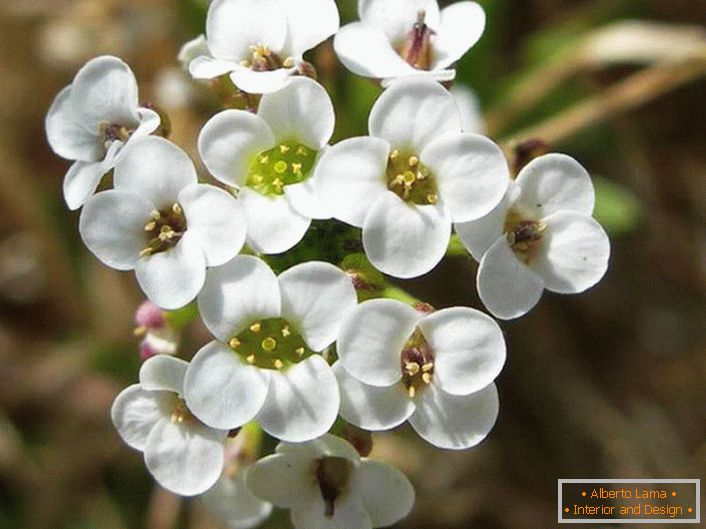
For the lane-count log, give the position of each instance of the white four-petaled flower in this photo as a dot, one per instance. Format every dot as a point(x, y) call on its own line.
point(327, 485)
point(92, 120)
point(541, 236)
point(399, 38)
point(183, 455)
point(271, 157)
point(266, 364)
point(260, 43)
point(163, 224)
point(434, 370)
point(412, 177)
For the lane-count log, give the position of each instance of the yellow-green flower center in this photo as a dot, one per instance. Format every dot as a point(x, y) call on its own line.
point(270, 344)
point(286, 164)
point(164, 230)
point(417, 363)
point(410, 179)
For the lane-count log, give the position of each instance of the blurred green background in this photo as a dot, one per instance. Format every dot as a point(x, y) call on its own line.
point(611, 383)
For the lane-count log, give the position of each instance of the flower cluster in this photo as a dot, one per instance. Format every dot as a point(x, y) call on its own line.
point(302, 350)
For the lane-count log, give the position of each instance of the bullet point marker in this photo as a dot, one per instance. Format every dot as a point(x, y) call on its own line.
point(690, 509)
point(674, 493)
point(583, 494)
point(566, 510)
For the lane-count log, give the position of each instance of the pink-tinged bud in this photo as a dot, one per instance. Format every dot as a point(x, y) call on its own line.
point(149, 316)
point(424, 308)
point(146, 351)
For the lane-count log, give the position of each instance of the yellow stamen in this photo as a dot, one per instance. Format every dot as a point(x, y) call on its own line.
point(426, 377)
point(284, 149)
point(299, 351)
point(176, 208)
point(279, 364)
point(255, 327)
point(151, 225)
point(146, 252)
point(285, 331)
point(394, 154)
point(413, 161)
point(139, 331)
point(156, 215)
point(301, 151)
point(250, 359)
point(288, 62)
point(411, 391)
point(427, 367)
point(264, 159)
point(412, 368)
point(432, 198)
point(296, 168)
point(234, 343)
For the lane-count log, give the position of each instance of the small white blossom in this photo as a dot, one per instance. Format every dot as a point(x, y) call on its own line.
point(196, 47)
point(271, 158)
point(266, 364)
point(434, 370)
point(230, 499)
point(261, 43)
point(541, 236)
point(400, 38)
point(92, 120)
point(183, 455)
point(160, 222)
point(327, 485)
point(469, 105)
point(412, 177)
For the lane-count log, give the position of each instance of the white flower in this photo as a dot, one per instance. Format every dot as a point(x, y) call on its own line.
point(540, 236)
point(260, 43)
point(183, 455)
point(265, 365)
point(434, 370)
point(196, 47)
point(230, 499)
point(92, 119)
point(415, 174)
point(399, 38)
point(469, 105)
point(327, 485)
point(271, 157)
point(160, 222)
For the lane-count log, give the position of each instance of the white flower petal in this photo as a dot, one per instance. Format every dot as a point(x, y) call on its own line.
point(237, 294)
point(506, 286)
point(105, 90)
point(221, 389)
point(185, 458)
point(326, 445)
point(397, 17)
point(192, 49)
point(412, 112)
point(283, 479)
point(173, 278)
point(230, 140)
point(112, 225)
point(302, 402)
point(575, 252)
point(309, 23)
point(67, 135)
point(300, 111)
point(468, 346)
point(81, 181)
point(304, 198)
point(149, 122)
point(462, 25)
point(471, 173)
point(405, 240)
point(348, 514)
point(316, 297)
point(136, 411)
point(273, 226)
point(232, 26)
point(261, 82)
point(156, 170)
point(205, 67)
point(371, 340)
point(469, 105)
point(351, 177)
point(163, 373)
point(366, 51)
point(555, 182)
point(369, 407)
point(387, 494)
point(455, 422)
point(216, 220)
point(231, 500)
point(479, 235)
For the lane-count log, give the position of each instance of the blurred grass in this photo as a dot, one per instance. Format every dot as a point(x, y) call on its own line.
point(605, 384)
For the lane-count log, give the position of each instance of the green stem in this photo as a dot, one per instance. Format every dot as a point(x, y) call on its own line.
point(393, 292)
point(456, 248)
